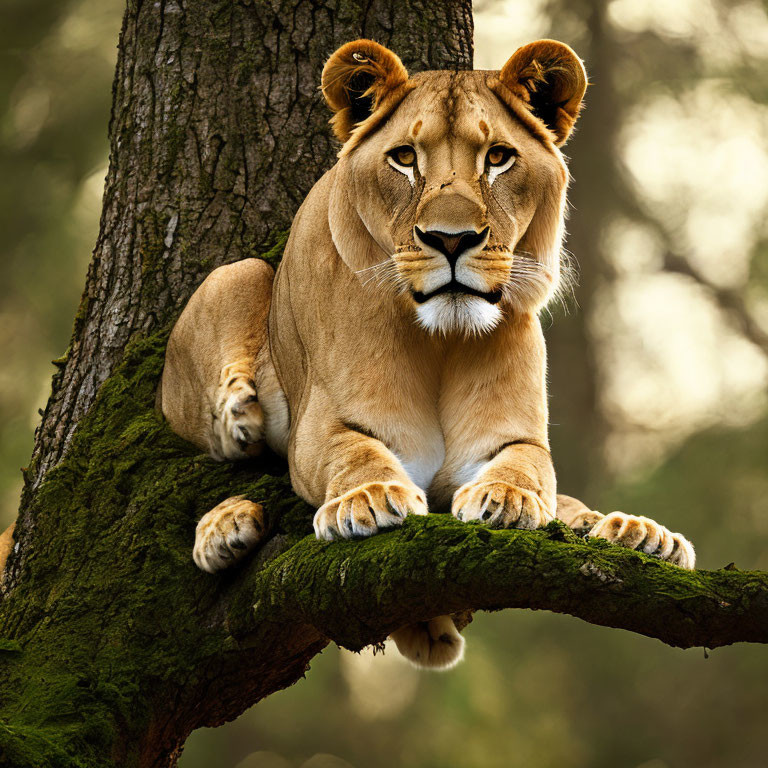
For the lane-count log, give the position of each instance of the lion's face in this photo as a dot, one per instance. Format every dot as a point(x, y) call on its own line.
point(463, 189)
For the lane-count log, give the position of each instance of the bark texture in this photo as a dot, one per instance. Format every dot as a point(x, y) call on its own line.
point(113, 646)
point(218, 132)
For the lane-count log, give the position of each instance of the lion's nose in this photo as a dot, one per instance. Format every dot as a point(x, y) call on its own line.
point(451, 245)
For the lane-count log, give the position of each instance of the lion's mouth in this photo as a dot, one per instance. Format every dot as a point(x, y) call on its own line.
point(492, 297)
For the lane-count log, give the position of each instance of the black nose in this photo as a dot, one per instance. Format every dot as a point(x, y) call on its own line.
point(451, 245)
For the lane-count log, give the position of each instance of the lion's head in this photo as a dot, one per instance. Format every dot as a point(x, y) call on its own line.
point(450, 186)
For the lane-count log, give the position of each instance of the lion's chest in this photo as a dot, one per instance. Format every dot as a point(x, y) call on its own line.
point(425, 456)
point(437, 430)
point(437, 457)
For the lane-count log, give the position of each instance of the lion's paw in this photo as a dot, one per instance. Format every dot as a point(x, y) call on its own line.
point(433, 644)
point(584, 522)
point(227, 533)
point(646, 535)
point(239, 424)
point(368, 509)
point(501, 505)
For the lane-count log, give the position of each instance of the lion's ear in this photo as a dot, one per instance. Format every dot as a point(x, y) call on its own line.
point(550, 78)
point(357, 79)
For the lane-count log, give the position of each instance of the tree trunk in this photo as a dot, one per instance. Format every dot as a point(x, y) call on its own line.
point(218, 131)
point(113, 646)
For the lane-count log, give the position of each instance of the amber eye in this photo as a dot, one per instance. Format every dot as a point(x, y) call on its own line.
point(405, 156)
point(498, 155)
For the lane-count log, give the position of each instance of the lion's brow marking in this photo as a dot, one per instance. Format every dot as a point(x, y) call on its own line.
point(451, 99)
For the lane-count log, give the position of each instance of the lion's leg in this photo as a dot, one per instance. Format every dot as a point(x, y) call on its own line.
point(365, 489)
point(238, 420)
point(217, 374)
point(216, 360)
point(516, 489)
point(640, 533)
point(359, 485)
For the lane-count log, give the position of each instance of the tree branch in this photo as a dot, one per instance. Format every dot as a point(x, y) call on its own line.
point(356, 593)
point(730, 300)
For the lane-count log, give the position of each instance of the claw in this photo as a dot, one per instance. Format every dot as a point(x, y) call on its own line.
point(367, 509)
point(500, 505)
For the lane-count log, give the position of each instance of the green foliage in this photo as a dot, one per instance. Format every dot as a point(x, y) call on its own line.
point(275, 250)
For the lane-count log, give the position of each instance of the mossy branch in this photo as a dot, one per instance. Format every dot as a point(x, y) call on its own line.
point(114, 647)
point(355, 593)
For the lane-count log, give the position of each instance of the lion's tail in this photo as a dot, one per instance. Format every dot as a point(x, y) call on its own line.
point(433, 644)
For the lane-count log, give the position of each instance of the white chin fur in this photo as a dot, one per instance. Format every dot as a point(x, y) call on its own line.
point(450, 313)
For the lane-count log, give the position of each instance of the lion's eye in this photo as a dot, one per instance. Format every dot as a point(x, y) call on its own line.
point(404, 156)
point(499, 155)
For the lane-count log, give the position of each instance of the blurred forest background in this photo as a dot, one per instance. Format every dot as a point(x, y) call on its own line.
point(659, 362)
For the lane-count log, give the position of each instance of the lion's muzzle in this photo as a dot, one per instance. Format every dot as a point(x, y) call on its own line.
point(452, 245)
point(492, 297)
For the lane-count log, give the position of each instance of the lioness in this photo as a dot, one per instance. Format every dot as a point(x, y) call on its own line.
point(396, 358)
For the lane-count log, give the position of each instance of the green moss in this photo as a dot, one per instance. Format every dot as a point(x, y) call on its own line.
point(79, 634)
point(20, 746)
point(9, 646)
point(82, 311)
point(151, 238)
point(274, 252)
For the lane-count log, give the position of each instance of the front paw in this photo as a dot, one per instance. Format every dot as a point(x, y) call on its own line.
point(647, 536)
point(227, 533)
point(367, 509)
point(501, 505)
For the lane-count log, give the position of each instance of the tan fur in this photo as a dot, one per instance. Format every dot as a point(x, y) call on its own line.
point(217, 358)
point(411, 383)
point(6, 545)
point(228, 532)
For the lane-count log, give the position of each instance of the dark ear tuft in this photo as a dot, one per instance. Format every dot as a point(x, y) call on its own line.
point(361, 100)
point(356, 79)
point(551, 80)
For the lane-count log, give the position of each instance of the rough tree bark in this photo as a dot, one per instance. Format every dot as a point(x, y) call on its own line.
point(113, 646)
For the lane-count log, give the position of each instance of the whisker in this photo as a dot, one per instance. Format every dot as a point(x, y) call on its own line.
point(384, 275)
point(375, 266)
